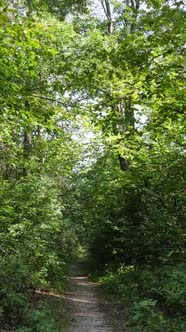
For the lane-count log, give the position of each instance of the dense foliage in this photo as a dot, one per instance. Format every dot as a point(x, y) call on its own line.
point(92, 144)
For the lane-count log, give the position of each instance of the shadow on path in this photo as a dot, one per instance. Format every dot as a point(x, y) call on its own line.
point(87, 314)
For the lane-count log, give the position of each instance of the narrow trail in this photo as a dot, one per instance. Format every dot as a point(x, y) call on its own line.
point(87, 314)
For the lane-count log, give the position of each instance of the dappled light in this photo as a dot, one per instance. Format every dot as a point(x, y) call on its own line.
point(92, 166)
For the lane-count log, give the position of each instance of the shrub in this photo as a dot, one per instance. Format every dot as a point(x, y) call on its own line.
point(174, 289)
point(41, 320)
point(155, 297)
point(14, 280)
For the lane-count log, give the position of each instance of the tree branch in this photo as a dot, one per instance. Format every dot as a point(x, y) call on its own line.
point(107, 10)
point(6, 7)
point(57, 101)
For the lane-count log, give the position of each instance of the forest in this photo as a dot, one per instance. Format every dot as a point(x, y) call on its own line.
point(92, 156)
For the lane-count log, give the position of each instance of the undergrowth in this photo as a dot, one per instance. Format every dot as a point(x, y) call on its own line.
point(25, 301)
point(155, 298)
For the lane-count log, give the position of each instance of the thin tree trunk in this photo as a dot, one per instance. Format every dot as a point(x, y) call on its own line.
point(124, 106)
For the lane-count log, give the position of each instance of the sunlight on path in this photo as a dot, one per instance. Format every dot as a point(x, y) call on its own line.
point(83, 304)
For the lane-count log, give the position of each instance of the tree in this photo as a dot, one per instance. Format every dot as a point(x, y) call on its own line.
point(75, 96)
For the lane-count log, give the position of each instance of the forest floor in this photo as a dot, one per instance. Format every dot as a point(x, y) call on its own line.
point(87, 309)
point(82, 307)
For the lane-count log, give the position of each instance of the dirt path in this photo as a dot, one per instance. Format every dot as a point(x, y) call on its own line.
point(87, 314)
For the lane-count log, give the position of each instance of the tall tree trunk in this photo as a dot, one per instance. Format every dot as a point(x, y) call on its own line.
point(124, 106)
point(108, 14)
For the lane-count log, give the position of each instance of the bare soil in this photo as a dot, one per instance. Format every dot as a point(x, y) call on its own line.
point(87, 310)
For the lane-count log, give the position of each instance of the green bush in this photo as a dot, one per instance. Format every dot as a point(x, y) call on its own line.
point(145, 317)
point(167, 285)
point(124, 282)
point(14, 280)
point(39, 320)
point(174, 289)
point(155, 298)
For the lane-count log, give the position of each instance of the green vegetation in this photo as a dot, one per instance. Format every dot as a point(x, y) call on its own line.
point(155, 298)
point(92, 156)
